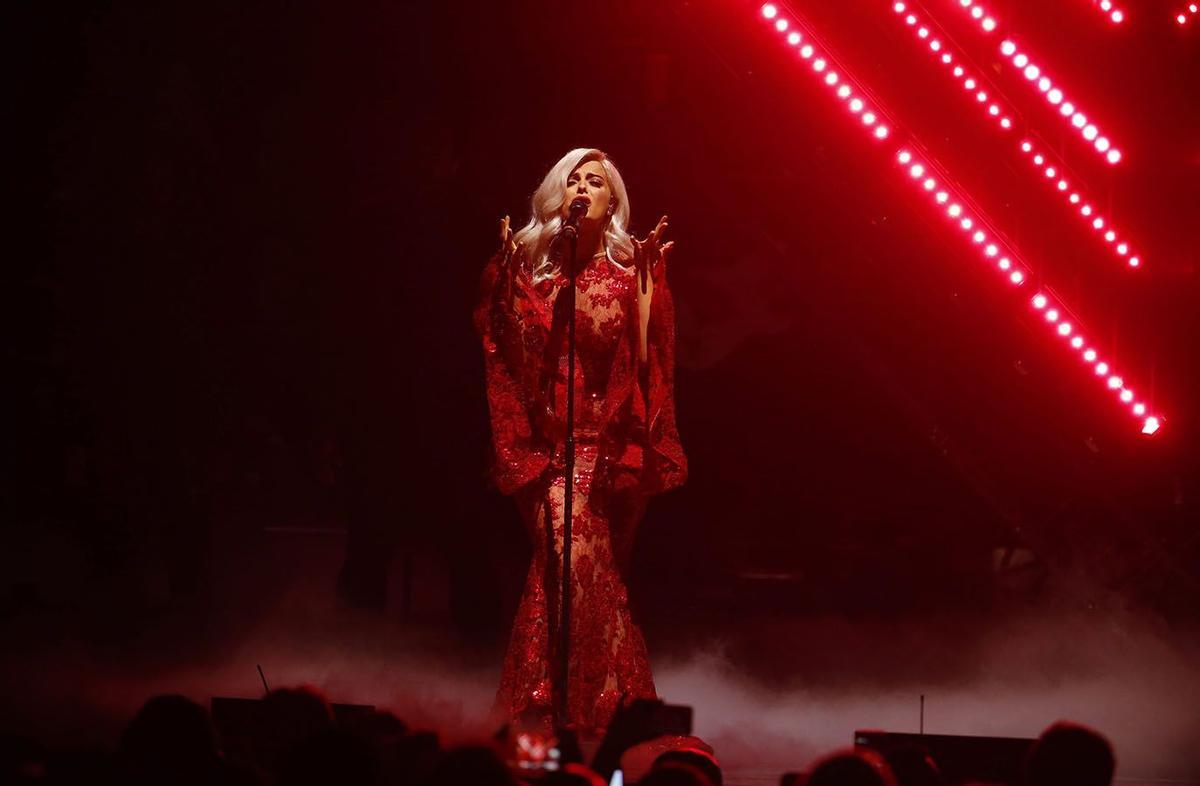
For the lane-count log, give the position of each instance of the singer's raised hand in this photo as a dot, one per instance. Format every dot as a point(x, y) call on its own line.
point(649, 259)
point(649, 256)
point(508, 247)
point(510, 256)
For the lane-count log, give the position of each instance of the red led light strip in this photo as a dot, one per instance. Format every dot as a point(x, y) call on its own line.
point(822, 64)
point(973, 83)
point(986, 95)
point(1036, 75)
point(1055, 97)
point(1055, 314)
point(1055, 174)
point(1185, 15)
point(1110, 10)
point(985, 20)
point(931, 180)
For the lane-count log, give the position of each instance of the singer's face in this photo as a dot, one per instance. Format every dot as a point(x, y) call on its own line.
point(590, 182)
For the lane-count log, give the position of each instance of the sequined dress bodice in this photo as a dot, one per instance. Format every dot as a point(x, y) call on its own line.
point(604, 300)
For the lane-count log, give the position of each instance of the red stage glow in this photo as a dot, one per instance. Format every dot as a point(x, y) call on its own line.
point(936, 184)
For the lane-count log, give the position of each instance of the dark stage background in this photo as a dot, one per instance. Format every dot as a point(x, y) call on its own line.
point(250, 236)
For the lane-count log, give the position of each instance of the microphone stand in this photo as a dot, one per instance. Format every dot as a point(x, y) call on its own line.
point(571, 233)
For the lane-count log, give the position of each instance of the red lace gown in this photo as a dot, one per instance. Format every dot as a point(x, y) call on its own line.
point(627, 449)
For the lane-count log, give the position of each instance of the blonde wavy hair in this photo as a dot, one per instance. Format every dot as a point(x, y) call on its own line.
point(546, 213)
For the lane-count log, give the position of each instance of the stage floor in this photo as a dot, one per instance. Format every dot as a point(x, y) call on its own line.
point(771, 693)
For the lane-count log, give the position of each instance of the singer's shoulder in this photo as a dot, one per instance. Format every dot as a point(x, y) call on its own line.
point(622, 260)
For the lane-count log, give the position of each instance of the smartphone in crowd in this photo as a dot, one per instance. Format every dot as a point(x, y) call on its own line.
point(671, 719)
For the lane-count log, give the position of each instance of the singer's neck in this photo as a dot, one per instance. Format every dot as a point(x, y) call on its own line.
point(591, 242)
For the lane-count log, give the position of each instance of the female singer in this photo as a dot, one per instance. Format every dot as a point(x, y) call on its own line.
point(627, 446)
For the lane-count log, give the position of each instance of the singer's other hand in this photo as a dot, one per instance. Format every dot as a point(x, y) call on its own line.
point(508, 247)
point(649, 256)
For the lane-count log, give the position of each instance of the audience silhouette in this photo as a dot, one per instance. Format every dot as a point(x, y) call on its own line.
point(299, 742)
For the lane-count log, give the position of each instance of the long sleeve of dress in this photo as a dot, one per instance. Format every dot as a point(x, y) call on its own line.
point(654, 451)
point(519, 454)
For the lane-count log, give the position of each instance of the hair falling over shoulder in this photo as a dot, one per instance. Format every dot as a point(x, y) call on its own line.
point(545, 219)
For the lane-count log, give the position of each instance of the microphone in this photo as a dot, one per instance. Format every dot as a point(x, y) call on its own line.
point(579, 208)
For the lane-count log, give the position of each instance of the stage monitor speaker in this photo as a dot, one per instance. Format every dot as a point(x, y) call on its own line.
point(960, 759)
